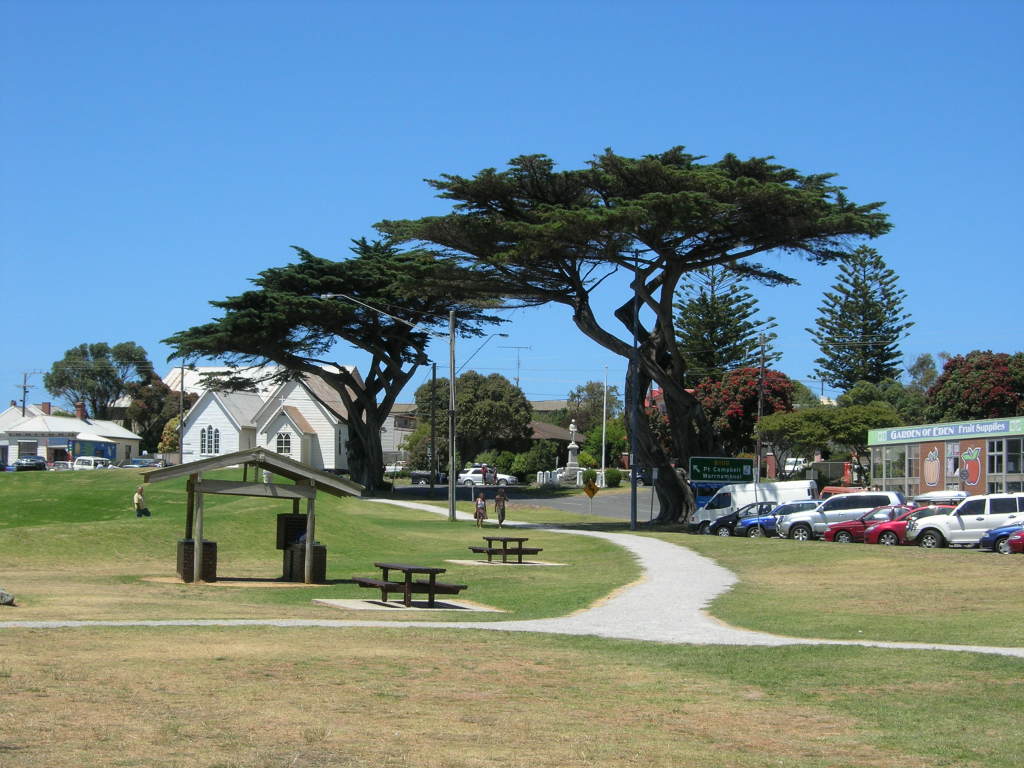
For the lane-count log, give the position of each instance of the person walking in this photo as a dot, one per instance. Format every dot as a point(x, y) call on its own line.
point(481, 510)
point(139, 502)
point(499, 506)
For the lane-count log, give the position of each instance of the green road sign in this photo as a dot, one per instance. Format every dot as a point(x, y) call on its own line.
point(717, 469)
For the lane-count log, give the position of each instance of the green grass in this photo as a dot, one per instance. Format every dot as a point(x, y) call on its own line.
point(857, 591)
point(72, 534)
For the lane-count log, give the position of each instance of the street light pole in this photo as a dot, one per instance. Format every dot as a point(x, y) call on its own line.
point(452, 469)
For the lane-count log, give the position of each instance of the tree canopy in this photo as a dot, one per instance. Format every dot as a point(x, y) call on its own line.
point(586, 405)
point(731, 402)
point(861, 322)
point(717, 325)
point(543, 235)
point(97, 375)
point(383, 301)
point(978, 385)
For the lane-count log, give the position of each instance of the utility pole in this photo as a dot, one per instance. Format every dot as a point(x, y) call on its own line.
point(760, 412)
point(25, 387)
point(517, 360)
point(433, 428)
point(452, 469)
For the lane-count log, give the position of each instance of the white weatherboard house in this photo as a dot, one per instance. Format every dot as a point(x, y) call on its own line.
point(58, 438)
point(304, 420)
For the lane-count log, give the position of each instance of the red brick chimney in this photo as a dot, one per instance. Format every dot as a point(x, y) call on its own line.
point(80, 410)
point(45, 408)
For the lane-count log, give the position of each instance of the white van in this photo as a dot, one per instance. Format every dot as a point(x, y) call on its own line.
point(729, 498)
point(91, 462)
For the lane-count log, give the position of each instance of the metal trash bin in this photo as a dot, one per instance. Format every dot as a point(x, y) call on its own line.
point(186, 563)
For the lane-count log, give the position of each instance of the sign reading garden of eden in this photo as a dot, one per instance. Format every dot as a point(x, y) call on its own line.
point(955, 431)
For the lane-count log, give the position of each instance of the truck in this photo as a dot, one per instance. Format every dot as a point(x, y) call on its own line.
point(729, 498)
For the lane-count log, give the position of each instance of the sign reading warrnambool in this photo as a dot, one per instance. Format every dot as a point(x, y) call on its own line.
point(719, 469)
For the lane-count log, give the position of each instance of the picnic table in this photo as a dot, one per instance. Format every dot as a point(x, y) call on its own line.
point(510, 545)
point(409, 585)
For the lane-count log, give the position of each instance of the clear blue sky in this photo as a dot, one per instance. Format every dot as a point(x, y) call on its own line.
point(158, 155)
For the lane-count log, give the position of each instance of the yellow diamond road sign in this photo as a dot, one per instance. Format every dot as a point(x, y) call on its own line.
point(590, 488)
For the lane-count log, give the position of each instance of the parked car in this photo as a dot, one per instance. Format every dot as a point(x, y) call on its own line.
point(422, 477)
point(853, 530)
point(143, 462)
point(91, 462)
point(765, 525)
point(894, 532)
point(60, 466)
point(475, 476)
point(1016, 543)
point(29, 463)
point(995, 539)
point(966, 524)
point(809, 524)
point(724, 525)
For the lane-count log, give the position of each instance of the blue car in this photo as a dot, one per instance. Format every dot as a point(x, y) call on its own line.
point(765, 524)
point(995, 538)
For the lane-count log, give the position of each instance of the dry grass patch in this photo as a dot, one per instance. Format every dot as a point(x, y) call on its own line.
point(253, 698)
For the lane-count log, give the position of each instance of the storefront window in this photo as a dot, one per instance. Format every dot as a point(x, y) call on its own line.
point(952, 458)
point(995, 458)
point(1014, 456)
point(895, 462)
point(913, 461)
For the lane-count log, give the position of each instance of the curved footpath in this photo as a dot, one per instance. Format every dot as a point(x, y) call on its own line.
point(665, 606)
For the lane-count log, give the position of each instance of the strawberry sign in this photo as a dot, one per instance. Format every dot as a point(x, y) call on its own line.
point(971, 461)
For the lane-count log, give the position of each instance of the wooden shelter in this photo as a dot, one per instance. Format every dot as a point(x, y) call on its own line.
point(307, 481)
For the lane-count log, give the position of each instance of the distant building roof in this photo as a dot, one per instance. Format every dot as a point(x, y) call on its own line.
point(544, 431)
point(66, 425)
point(547, 406)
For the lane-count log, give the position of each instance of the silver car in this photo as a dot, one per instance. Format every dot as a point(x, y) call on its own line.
point(811, 523)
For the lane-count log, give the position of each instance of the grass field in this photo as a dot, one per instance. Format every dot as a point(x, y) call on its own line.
point(269, 697)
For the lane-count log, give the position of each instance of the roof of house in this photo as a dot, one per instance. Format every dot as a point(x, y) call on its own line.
point(298, 419)
point(544, 431)
point(404, 409)
point(13, 415)
point(241, 406)
point(547, 406)
point(66, 425)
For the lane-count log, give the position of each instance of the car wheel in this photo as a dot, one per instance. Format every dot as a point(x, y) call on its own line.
point(468, 483)
point(1002, 545)
point(930, 539)
point(800, 533)
point(422, 481)
point(503, 482)
point(702, 528)
point(843, 537)
point(723, 531)
point(888, 539)
point(755, 532)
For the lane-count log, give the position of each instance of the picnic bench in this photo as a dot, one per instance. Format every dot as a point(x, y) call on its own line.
point(409, 585)
point(510, 545)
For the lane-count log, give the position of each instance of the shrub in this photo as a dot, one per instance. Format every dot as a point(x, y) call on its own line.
point(589, 476)
point(587, 460)
point(612, 478)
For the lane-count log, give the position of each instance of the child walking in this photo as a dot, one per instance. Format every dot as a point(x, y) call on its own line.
point(481, 510)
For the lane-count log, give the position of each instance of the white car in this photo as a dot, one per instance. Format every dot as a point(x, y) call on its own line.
point(968, 522)
point(91, 462)
point(811, 523)
point(475, 476)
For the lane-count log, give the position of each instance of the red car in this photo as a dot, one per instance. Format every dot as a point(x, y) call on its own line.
point(1016, 542)
point(853, 530)
point(893, 532)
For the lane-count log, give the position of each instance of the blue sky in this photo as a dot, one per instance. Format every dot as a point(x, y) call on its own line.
point(158, 155)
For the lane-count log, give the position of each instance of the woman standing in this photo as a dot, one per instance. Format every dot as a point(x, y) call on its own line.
point(481, 510)
point(499, 506)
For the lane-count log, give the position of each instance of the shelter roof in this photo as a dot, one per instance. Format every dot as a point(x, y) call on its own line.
point(544, 431)
point(264, 459)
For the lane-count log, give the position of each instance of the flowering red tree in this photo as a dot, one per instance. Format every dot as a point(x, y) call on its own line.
point(731, 402)
point(978, 385)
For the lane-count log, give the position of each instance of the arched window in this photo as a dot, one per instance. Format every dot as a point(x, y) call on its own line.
point(284, 443)
point(215, 440)
point(202, 441)
point(209, 441)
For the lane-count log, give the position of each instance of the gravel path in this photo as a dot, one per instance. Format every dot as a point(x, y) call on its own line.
point(666, 606)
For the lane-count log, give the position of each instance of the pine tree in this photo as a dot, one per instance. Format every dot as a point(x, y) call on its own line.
point(861, 321)
point(716, 325)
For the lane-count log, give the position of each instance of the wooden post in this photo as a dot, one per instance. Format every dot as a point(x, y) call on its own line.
point(295, 506)
point(310, 532)
point(190, 504)
point(197, 543)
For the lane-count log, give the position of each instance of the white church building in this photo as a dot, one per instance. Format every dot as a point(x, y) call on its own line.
point(304, 420)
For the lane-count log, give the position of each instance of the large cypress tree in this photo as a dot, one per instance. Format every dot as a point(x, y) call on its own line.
point(717, 326)
point(861, 321)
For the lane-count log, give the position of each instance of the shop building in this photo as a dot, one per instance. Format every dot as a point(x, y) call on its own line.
point(975, 456)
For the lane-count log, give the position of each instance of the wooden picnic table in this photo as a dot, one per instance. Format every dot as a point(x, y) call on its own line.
point(408, 585)
point(505, 549)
